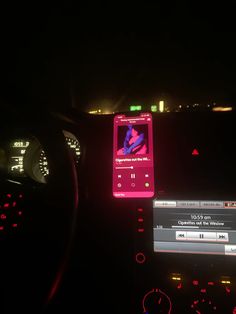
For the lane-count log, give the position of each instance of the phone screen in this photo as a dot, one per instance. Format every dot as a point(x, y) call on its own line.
point(133, 173)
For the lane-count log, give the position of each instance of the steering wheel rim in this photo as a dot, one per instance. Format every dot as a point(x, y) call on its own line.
point(62, 192)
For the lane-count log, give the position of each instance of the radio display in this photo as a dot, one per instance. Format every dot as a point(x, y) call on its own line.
point(194, 226)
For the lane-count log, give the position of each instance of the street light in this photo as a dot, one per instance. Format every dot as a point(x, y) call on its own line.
point(161, 105)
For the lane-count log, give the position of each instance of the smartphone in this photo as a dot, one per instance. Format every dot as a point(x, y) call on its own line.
point(133, 170)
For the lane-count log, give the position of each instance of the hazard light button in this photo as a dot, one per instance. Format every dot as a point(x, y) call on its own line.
point(195, 152)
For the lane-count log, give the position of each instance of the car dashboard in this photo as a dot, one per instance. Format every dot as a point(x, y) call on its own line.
point(155, 231)
point(23, 157)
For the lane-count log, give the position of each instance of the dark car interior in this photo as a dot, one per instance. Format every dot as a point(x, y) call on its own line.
point(69, 242)
point(120, 211)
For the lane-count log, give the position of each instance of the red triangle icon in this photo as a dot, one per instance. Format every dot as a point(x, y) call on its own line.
point(195, 152)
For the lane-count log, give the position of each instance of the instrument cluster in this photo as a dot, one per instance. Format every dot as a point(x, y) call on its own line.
point(25, 158)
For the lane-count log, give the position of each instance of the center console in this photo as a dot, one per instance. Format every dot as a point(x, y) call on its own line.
point(181, 269)
point(183, 185)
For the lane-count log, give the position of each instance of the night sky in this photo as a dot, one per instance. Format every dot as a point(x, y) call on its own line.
point(113, 55)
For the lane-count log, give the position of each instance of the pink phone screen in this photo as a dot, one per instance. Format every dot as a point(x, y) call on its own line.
point(133, 173)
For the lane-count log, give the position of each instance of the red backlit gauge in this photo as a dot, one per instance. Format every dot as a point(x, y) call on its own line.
point(156, 301)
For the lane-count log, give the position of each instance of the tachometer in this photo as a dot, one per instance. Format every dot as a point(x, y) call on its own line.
point(75, 146)
point(72, 143)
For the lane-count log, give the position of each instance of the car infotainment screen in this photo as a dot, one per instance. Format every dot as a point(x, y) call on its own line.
point(195, 226)
point(133, 156)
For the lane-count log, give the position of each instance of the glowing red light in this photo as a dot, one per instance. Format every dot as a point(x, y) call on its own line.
point(227, 290)
point(14, 204)
point(211, 283)
point(14, 225)
point(179, 286)
point(1, 228)
point(3, 216)
point(195, 152)
point(161, 295)
point(203, 290)
point(140, 219)
point(140, 258)
point(9, 195)
point(6, 205)
point(195, 282)
point(19, 213)
point(196, 302)
point(234, 310)
point(140, 210)
point(55, 286)
point(20, 195)
point(141, 230)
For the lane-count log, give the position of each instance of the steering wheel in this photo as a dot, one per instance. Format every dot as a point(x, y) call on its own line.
point(34, 259)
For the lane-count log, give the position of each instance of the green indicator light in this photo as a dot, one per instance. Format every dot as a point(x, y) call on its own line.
point(154, 108)
point(135, 108)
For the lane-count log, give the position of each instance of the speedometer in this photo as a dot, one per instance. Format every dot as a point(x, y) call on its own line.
point(72, 143)
point(43, 164)
point(74, 146)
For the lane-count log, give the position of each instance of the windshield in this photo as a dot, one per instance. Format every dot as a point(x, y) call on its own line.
point(105, 59)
